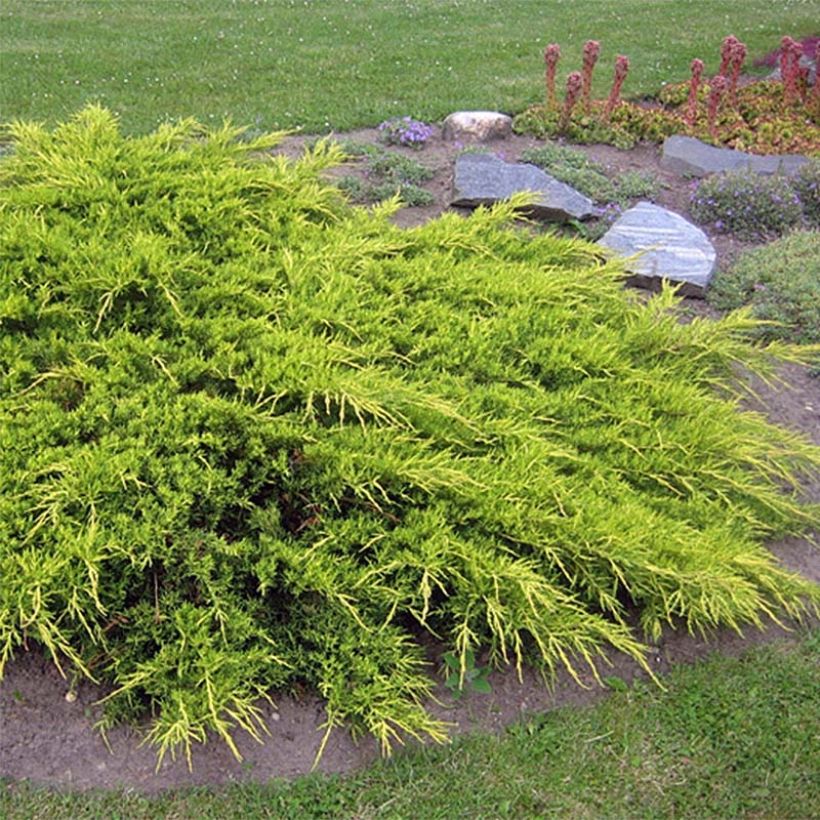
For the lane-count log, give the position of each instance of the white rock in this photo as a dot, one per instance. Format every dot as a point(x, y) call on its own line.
point(478, 126)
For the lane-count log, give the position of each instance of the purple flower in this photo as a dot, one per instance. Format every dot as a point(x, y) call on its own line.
point(405, 131)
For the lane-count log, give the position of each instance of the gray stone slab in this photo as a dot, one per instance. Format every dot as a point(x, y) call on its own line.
point(690, 156)
point(687, 155)
point(483, 179)
point(667, 247)
point(777, 163)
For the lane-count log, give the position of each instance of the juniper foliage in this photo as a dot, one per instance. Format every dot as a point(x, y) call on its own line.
point(253, 438)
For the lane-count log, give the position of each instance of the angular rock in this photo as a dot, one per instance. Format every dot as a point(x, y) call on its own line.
point(483, 179)
point(687, 155)
point(669, 247)
point(777, 163)
point(477, 126)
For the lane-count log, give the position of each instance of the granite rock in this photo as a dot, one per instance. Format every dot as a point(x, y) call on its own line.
point(483, 179)
point(477, 126)
point(668, 247)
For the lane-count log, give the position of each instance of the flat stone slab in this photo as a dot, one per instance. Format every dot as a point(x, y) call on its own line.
point(691, 156)
point(777, 163)
point(484, 179)
point(477, 126)
point(669, 247)
point(687, 155)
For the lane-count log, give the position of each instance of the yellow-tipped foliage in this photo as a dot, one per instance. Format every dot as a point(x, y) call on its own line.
point(253, 438)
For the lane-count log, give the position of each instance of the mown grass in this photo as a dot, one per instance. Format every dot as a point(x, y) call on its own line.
point(730, 738)
point(323, 65)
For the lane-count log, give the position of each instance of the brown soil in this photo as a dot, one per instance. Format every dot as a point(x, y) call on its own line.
point(48, 738)
point(439, 155)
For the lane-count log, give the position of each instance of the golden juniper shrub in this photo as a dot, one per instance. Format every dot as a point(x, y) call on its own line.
point(253, 438)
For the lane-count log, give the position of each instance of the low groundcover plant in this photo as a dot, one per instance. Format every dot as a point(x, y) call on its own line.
point(405, 131)
point(253, 438)
point(388, 174)
point(781, 284)
point(749, 205)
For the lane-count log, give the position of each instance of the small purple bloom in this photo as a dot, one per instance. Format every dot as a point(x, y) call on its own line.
point(405, 131)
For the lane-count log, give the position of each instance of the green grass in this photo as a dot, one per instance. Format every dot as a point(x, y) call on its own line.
point(730, 738)
point(333, 64)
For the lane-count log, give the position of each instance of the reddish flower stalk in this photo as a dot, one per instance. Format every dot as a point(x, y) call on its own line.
point(552, 54)
point(735, 67)
point(592, 48)
point(694, 85)
point(719, 84)
point(621, 69)
point(726, 54)
point(790, 52)
point(813, 96)
point(574, 85)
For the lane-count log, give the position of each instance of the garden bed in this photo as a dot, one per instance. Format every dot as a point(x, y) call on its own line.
point(439, 155)
point(48, 738)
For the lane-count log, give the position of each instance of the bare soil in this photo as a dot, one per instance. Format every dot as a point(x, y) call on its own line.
point(439, 156)
point(49, 739)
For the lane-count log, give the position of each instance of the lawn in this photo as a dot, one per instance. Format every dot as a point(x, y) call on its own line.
point(732, 737)
point(337, 65)
point(265, 420)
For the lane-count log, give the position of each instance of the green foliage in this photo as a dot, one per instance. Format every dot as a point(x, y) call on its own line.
point(781, 283)
point(540, 121)
point(413, 196)
point(462, 675)
point(252, 437)
point(589, 177)
point(806, 183)
point(758, 120)
point(749, 205)
point(386, 174)
point(575, 168)
point(634, 185)
point(354, 148)
point(399, 168)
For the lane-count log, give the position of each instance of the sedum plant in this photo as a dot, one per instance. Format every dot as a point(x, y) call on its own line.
point(761, 117)
point(387, 174)
point(253, 438)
